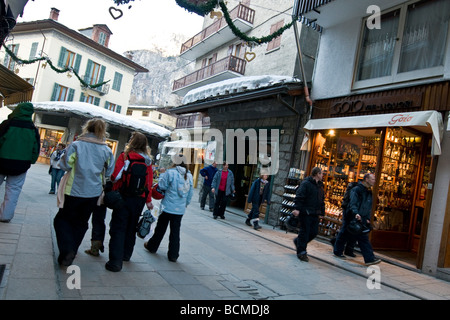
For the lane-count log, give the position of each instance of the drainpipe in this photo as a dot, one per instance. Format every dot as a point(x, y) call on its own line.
point(295, 16)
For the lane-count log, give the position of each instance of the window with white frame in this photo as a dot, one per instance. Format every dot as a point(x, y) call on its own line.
point(409, 45)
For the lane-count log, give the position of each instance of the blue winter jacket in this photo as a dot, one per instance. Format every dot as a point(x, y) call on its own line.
point(178, 191)
point(255, 197)
point(229, 189)
point(209, 172)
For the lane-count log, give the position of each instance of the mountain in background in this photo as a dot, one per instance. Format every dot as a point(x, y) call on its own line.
point(155, 87)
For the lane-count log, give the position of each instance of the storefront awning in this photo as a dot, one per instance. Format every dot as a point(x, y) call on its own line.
point(424, 121)
point(13, 88)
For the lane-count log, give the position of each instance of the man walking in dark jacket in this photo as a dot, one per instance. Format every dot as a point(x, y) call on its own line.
point(309, 205)
point(359, 207)
point(208, 173)
point(19, 149)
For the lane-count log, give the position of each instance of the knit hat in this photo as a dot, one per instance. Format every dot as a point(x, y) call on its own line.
point(23, 109)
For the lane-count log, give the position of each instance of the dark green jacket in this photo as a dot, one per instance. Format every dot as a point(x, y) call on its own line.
point(19, 141)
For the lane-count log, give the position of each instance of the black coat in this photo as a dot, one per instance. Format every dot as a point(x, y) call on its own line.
point(310, 197)
point(360, 202)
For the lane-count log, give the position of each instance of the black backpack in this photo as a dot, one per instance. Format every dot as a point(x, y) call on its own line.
point(135, 178)
point(346, 199)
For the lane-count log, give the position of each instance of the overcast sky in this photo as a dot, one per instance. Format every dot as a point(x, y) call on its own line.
point(147, 24)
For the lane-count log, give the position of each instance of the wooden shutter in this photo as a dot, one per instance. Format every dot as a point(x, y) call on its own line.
point(62, 57)
point(76, 67)
point(55, 91)
point(33, 50)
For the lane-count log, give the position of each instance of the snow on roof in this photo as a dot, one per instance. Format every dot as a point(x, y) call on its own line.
point(144, 107)
point(90, 110)
point(234, 85)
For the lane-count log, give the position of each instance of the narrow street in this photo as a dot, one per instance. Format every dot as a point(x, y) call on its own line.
point(219, 260)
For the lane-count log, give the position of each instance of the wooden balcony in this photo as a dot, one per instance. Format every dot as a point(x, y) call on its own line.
point(210, 37)
point(227, 68)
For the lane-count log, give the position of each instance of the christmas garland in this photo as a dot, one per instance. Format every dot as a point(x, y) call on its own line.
point(252, 40)
point(206, 6)
point(21, 61)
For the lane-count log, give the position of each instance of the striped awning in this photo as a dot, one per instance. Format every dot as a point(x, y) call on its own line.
point(302, 7)
point(309, 5)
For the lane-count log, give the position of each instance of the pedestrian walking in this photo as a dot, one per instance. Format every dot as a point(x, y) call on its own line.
point(259, 192)
point(208, 173)
point(309, 205)
point(85, 161)
point(133, 178)
point(56, 171)
point(223, 187)
point(178, 185)
point(360, 208)
point(19, 149)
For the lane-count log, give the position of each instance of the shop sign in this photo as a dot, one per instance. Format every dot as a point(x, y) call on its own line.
point(377, 104)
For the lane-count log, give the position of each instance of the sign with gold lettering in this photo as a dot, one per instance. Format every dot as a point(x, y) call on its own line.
point(384, 104)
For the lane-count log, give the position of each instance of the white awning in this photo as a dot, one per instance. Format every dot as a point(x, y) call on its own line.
point(424, 121)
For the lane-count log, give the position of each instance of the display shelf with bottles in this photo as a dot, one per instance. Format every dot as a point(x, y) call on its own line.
point(343, 157)
point(397, 184)
point(293, 181)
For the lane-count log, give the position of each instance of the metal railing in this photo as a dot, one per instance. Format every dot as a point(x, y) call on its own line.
point(230, 63)
point(240, 11)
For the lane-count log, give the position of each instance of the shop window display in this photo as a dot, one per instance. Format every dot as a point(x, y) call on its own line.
point(395, 157)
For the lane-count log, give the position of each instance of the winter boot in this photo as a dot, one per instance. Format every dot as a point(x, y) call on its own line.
point(96, 246)
point(247, 222)
point(256, 225)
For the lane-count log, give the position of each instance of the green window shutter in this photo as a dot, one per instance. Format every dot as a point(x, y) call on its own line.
point(117, 81)
point(87, 75)
point(82, 97)
point(33, 50)
point(71, 94)
point(76, 67)
point(106, 104)
point(97, 101)
point(55, 91)
point(102, 74)
point(62, 57)
point(118, 109)
point(7, 56)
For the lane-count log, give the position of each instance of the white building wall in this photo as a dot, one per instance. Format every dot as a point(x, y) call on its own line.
point(50, 42)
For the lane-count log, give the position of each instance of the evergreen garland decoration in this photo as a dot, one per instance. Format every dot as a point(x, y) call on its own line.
point(21, 61)
point(252, 40)
point(200, 9)
point(207, 6)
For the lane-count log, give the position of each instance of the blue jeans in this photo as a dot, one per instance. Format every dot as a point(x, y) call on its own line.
point(13, 189)
point(254, 212)
point(205, 192)
point(56, 178)
point(344, 237)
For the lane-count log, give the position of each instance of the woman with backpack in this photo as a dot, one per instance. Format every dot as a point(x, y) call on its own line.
point(178, 185)
point(87, 161)
point(133, 178)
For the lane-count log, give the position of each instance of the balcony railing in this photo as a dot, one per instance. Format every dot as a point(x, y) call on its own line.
point(240, 11)
point(102, 90)
point(230, 63)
